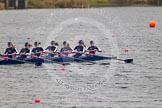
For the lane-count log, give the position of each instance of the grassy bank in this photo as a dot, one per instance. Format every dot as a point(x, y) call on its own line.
point(2, 6)
point(57, 4)
point(101, 3)
point(87, 3)
point(70, 3)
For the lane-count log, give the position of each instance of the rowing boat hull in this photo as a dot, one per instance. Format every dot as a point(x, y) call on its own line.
point(55, 60)
point(95, 58)
point(10, 62)
point(15, 62)
point(81, 59)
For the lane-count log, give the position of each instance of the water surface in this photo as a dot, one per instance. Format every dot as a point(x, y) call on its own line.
point(117, 85)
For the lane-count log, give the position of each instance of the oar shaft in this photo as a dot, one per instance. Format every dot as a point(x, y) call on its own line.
point(126, 60)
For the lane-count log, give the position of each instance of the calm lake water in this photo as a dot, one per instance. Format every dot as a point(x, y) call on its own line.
point(117, 85)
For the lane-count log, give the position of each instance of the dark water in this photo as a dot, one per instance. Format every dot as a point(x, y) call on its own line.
point(117, 85)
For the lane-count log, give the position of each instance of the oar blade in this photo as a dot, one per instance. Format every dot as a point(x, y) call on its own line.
point(66, 63)
point(128, 60)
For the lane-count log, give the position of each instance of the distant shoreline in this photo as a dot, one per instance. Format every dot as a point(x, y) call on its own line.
point(54, 4)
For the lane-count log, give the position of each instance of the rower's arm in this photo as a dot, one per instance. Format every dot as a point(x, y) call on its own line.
point(55, 49)
point(47, 48)
point(84, 49)
point(46, 51)
point(99, 50)
point(5, 52)
point(74, 50)
point(16, 51)
point(61, 51)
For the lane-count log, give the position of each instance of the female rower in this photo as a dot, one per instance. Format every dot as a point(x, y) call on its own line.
point(51, 50)
point(25, 51)
point(37, 50)
point(66, 50)
point(92, 49)
point(80, 49)
point(11, 51)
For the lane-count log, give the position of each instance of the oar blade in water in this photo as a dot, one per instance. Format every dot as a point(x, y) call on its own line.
point(128, 61)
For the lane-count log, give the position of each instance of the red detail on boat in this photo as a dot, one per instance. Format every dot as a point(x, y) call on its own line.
point(42, 53)
point(34, 56)
point(69, 52)
point(5, 58)
point(62, 55)
point(14, 55)
point(90, 54)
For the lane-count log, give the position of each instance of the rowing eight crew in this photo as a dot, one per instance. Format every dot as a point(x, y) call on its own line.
point(51, 50)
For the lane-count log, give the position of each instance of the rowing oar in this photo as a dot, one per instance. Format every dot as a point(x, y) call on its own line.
point(126, 60)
